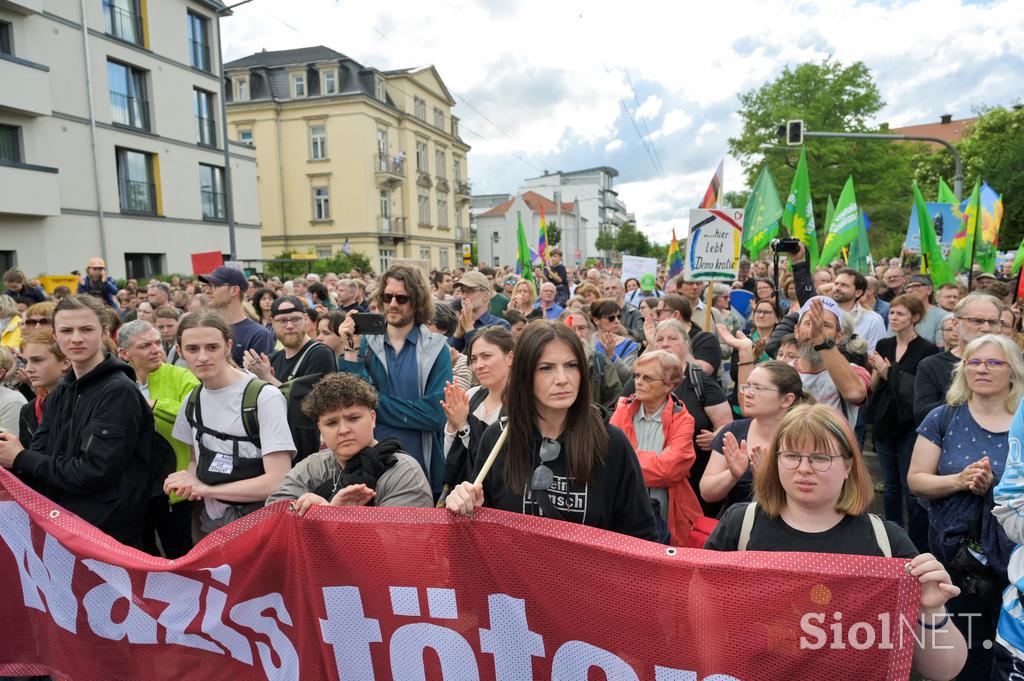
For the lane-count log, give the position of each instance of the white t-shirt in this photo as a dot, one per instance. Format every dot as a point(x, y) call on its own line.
point(11, 402)
point(821, 386)
point(222, 411)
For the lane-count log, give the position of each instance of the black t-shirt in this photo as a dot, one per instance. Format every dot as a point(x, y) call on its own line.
point(615, 499)
point(704, 346)
point(319, 359)
point(744, 488)
point(853, 535)
point(892, 404)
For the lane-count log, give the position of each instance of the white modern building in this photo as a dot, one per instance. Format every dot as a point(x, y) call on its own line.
point(599, 206)
point(110, 138)
point(497, 228)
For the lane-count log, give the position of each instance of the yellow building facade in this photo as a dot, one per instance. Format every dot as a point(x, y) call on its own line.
point(350, 158)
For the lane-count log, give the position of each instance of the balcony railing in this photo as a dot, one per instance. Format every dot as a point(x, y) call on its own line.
point(137, 196)
point(390, 164)
point(213, 204)
point(391, 225)
point(128, 110)
point(122, 23)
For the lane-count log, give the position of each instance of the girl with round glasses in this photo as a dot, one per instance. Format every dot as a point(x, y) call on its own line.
point(961, 448)
point(560, 459)
point(813, 491)
point(771, 390)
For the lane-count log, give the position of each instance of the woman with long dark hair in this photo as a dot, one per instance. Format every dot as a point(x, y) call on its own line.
point(560, 459)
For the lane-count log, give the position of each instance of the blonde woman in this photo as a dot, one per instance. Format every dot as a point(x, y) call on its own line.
point(524, 296)
point(812, 495)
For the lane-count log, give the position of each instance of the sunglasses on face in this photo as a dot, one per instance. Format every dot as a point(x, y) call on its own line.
point(612, 317)
point(37, 322)
point(542, 475)
point(388, 297)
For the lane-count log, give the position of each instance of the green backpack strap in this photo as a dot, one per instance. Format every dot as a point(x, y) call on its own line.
point(250, 409)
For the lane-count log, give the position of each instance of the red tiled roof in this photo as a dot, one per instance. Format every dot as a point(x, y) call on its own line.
point(534, 201)
point(951, 132)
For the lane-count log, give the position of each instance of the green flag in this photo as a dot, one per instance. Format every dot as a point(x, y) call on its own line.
point(842, 230)
point(761, 216)
point(860, 249)
point(961, 254)
point(830, 210)
point(1018, 259)
point(524, 264)
point(937, 267)
point(946, 194)
point(798, 215)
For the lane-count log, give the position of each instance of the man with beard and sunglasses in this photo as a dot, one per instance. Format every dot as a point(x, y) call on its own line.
point(408, 365)
point(826, 373)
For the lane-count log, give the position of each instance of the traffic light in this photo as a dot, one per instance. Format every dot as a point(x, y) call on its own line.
point(795, 133)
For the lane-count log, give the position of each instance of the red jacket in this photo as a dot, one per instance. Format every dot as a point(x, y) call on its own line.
point(671, 466)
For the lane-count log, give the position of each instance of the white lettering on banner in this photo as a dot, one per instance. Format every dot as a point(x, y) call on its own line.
point(350, 632)
point(51, 575)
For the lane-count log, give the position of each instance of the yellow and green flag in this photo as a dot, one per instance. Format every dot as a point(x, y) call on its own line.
point(842, 229)
point(761, 216)
point(798, 215)
point(961, 254)
point(937, 267)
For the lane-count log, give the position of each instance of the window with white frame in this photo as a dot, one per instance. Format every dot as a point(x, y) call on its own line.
point(422, 164)
point(211, 191)
point(379, 89)
point(329, 86)
point(425, 253)
point(442, 212)
point(442, 257)
point(438, 118)
point(298, 85)
point(245, 137)
point(324, 252)
point(457, 174)
point(424, 209)
point(419, 108)
point(458, 218)
point(242, 89)
point(386, 256)
point(317, 142)
point(321, 203)
point(440, 160)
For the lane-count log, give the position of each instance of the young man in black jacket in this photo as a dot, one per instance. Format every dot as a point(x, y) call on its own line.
point(92, 453)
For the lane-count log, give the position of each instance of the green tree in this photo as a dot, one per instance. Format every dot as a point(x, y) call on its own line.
point(339, 264)
point(605, 241)
point(736, 199)
point(992, 149)
point(830, 97)
point(554, 234)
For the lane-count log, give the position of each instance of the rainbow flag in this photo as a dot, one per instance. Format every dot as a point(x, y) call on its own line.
point(713, 196)
point(991, 205)
point(961, 251)
point(674, 261)
point(542, 238)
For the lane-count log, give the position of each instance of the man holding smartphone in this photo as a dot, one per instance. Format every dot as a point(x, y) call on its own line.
point(408, 365)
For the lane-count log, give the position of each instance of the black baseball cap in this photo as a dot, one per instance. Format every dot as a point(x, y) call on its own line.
point(225, 275)
point(295, 304)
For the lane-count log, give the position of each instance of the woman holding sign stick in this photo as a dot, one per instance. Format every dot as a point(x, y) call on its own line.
point(556, 457)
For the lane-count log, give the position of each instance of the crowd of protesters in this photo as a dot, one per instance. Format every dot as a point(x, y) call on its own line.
point(733, 418)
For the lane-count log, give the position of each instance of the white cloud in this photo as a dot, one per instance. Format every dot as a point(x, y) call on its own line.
point(552, 91)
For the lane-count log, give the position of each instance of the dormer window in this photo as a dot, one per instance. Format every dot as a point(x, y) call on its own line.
point(242, 89)
point(379, 89)
point(329, 82)
point(298, 85)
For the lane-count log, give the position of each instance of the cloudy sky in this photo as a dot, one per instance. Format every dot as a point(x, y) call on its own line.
point(546, 85)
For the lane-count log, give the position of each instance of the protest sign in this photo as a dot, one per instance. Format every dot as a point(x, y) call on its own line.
point(372, 593)
point(204, 263)
point(713, 245)
point(634, 267)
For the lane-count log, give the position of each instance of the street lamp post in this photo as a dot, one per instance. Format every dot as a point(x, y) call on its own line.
point(229, 201)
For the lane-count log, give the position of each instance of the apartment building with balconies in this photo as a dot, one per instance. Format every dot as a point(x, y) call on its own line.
point(109, 138)
point(599, 206)
point(352, 158)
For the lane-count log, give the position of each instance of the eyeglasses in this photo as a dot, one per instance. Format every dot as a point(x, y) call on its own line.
point(637, 378)
point(660, 311)
point(612, 317)
point(992, 364)
point(542, 475)
point(756, 312)
point(912, 287)
point(756, 389)
point(400, 299)
point(819, 462)
point(37, 322)
point(981, 321)
point(296, 320)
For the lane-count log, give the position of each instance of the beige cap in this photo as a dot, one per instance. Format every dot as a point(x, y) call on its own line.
point(475, 280)
point(96, 262)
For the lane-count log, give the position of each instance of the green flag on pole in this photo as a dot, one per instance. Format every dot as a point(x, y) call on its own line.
point(860, 249)
point(946, 194)
point(761, 216)
point(842, 230)
point(1018, 259)
point(830, 210)
point(524, 264)
point(937, 267)
point(798, 215)
point(961, 255)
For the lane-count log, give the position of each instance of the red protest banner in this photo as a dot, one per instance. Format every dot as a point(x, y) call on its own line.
point(204, 263)
point(387, 593)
